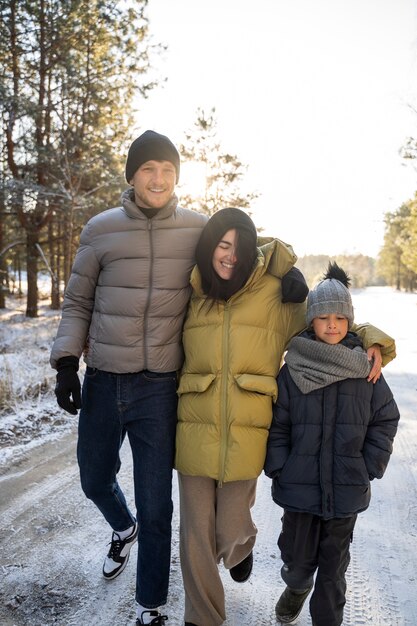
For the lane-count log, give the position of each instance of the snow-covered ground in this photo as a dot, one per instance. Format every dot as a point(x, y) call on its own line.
point(53, 540)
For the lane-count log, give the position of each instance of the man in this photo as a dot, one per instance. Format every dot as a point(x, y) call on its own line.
point(124, 306)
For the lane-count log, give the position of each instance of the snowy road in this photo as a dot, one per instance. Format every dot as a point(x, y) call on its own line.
point(53, 541)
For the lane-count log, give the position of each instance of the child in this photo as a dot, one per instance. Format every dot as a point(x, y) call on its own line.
point(331, 434)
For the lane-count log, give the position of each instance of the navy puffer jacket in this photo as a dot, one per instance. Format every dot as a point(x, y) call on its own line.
point(324, 447)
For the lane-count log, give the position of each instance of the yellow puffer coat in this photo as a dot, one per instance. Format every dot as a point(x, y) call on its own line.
point(233, 352)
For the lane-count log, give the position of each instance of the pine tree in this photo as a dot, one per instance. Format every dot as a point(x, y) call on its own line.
point(70, 69)
point(409, 256)
point(391, 263)
point(223, 172)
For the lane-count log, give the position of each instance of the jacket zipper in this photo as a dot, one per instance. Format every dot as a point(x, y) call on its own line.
point(223, 393)
point(148, 300)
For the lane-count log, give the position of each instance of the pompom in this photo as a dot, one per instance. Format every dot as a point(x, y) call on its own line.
point(336, 272)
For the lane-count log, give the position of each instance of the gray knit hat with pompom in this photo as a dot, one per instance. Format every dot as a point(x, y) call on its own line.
point(331, 295)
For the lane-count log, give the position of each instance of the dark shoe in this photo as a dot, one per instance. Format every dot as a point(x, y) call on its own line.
point(289, 606)
point(189, 624)
point(118, 555)
point(157, 620)
point(241, 572)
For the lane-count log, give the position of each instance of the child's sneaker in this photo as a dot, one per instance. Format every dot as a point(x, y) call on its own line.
point(118, 555)
point(289, 606)
point(156, 618)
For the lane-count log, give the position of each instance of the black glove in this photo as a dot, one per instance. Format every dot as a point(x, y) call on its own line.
point(294, 287)
point(68, 384)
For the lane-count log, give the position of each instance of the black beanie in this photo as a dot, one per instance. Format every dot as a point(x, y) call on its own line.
point(151, 146)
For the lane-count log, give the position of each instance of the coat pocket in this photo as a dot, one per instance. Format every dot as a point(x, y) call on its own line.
point(267, 385)
point(195, 383)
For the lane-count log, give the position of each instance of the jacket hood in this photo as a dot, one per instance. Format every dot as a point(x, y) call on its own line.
point(278, 257)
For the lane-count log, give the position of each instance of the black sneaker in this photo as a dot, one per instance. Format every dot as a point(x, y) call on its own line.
point(157, 618)
point(189, 624)
point(289, 606)
point(118, 555)
point(241, 572)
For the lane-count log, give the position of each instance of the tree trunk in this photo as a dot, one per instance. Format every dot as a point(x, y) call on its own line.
point(53, 257)
point(3, 283)
point(3, 266)
point(398, 277)
point(59, 252)
point(68, 245)
point(3, 269)
point(32, 237)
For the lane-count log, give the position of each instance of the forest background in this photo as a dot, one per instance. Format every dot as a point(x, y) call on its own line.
point(73, 76)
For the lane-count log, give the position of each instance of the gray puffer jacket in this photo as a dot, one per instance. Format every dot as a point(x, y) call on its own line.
point(129, 289)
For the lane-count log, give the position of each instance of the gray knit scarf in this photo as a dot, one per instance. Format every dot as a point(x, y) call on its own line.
point(314, 364)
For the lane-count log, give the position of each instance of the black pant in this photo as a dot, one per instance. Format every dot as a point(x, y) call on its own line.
point(309, 543)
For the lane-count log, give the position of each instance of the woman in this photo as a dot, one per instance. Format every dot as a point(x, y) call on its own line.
point(235, 334)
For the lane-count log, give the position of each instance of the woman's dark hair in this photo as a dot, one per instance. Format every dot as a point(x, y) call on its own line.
point(246, 252)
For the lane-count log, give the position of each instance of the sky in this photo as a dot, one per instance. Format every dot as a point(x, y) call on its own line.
point(316, 97)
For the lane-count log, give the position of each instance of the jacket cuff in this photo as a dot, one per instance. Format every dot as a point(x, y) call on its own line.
point(67, 361)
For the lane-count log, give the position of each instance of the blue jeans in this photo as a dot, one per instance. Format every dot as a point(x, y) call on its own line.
point(143, 406)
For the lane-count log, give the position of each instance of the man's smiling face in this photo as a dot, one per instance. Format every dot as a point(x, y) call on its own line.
point(154, 184)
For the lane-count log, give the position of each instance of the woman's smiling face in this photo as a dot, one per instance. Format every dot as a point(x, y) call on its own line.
point(224, 256)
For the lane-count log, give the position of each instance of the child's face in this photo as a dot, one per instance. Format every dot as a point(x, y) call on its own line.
point(330, 328)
